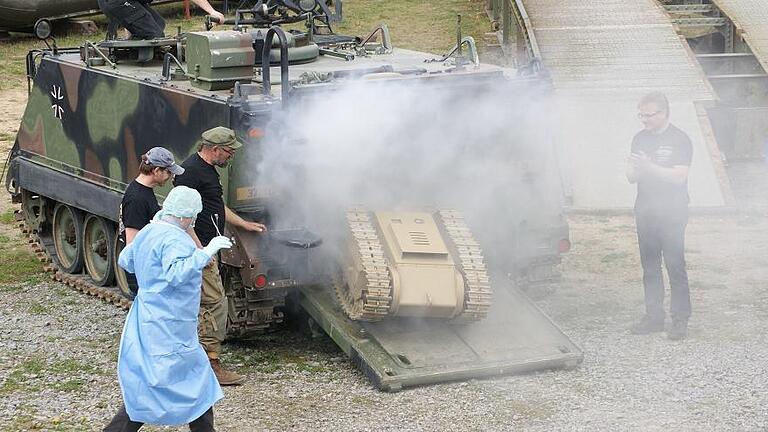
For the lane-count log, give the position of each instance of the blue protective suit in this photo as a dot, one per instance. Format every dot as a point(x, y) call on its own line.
point(165, 376)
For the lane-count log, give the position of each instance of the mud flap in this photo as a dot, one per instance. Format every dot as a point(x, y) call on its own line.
point(516, 338)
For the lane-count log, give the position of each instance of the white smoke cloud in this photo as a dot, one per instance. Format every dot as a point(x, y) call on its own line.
point(484, 150)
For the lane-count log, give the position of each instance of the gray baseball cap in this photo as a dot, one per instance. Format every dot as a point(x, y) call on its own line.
point(161, 157)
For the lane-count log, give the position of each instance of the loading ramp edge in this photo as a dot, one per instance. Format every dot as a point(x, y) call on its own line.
point(386, 374)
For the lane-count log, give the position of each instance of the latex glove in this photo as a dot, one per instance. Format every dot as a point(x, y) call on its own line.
point(216, 244)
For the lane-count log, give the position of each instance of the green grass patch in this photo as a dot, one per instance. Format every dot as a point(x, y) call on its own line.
point(283, 351)
point(101, 341)
point(24, 421)
point(421, 26)
point(274, 360)
point(18, 264)
point(26, 376)
point(27, 418)
point(8, 218)
point(63, 291)
point(37, 309)
point(21, 376)
point(11, 289)
point(363, 401)
point(68, 366)
point(69, 385)
point(36, 278)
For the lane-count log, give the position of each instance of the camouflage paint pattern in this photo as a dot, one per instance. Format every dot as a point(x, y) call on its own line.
point(95, 125)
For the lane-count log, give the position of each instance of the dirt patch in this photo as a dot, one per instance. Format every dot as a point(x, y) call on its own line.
point(12, 103)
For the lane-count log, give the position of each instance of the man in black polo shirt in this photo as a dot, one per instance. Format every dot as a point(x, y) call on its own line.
point(139, 203)
point(215, 149)
point(659, 161)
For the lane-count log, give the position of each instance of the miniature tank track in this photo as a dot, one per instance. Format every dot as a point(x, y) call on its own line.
point(43, 249)
point(477, 287)
point(373, 301)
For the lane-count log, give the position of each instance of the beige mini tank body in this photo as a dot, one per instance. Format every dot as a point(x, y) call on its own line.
point(413, 264)
point(425, 281)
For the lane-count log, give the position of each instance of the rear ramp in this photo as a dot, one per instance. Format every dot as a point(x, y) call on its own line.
point(603, 56)
point(515, 338)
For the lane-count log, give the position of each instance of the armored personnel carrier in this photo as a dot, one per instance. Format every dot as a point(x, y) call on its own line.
point(394, 272)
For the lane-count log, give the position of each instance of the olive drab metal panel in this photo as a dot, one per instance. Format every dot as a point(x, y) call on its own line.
point(215, 60)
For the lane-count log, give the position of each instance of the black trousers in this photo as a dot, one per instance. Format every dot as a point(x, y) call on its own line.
point(662, 235)
point(122, 423)
point(138, 18)
point(133, 284)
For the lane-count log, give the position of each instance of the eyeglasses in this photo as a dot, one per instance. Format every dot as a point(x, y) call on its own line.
point(227, 151)
point(646, 116)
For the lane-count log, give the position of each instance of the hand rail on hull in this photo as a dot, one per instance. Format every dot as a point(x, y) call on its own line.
point(515, 25)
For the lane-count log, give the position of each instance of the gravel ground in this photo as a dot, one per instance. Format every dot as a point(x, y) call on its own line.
point(59, 352)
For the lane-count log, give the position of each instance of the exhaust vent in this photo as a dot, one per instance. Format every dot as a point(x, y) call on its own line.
point(419, 238)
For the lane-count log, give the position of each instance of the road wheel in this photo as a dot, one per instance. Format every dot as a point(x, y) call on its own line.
point(125, 281)
point(98, 249)
point(68, 237)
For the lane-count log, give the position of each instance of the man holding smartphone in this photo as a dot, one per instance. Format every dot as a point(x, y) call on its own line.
point(660, 158)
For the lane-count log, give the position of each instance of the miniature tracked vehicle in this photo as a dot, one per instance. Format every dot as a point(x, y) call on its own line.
point(409, 299)
point(413, 264)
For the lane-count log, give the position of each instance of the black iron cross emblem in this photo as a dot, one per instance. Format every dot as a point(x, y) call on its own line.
point(58, 111)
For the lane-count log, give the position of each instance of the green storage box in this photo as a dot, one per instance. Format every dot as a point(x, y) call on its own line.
point(215, 60)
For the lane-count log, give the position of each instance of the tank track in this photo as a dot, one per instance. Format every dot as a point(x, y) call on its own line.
point(261, 316)
point(373, 301)
point(78, 282)
point(257, 310)
point(477, 287)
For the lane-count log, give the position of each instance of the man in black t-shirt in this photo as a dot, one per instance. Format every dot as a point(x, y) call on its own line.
point(139, 203)
point(215, 149)
point(660, 157)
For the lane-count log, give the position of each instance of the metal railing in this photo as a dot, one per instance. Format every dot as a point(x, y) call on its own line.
point(517, 37)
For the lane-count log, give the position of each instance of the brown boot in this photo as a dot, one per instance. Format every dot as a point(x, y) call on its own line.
point(224, 376)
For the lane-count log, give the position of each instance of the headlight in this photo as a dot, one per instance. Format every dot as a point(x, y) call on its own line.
point(307, 5)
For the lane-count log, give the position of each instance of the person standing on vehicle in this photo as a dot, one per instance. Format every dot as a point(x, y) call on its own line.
point(141, 20)
point(660, 158)
point(139, 203)
point(216, 148)
point(164, 374)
